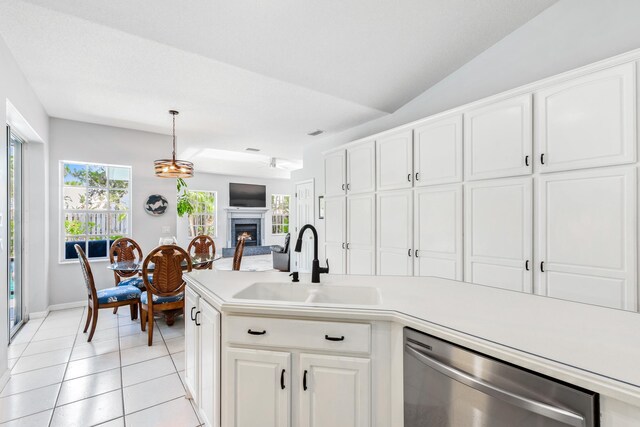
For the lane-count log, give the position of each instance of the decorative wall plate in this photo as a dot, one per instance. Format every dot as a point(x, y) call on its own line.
point(156, 205)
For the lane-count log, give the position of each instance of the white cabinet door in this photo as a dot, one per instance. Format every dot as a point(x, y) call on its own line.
point(335, 238)
point(361, 238)
point(335, 174)
point(438, 152)
point(588, 121)
point(361, 165)
point(254, 392)
point(394, 161)
point(498, 233)
point(191, 344)
point(394, 233)
point(438, 232)
point(498, 139)
point(334, 391)
point(209, 364)
point(587, 236)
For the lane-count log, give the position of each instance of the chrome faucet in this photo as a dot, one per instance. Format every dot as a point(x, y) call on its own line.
point(315, 268)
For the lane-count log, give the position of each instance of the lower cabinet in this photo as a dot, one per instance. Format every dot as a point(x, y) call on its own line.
point(336, 391)
point(202, 356)
point(280, 372)
point(258, 388)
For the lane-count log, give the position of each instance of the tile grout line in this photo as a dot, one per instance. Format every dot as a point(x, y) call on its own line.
point(55, 405)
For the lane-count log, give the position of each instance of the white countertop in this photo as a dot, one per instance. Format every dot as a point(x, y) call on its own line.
point(590, 346)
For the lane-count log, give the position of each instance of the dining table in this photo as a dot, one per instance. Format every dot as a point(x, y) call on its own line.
point(133, 266)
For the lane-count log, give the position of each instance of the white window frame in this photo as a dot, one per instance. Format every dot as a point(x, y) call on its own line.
point(215, 212)
point(273, 212)
point(62, 211)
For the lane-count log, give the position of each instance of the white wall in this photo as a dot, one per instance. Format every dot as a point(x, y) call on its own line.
point(84, 142)
point(567, 35)
point(220, 184)
point(15, 89)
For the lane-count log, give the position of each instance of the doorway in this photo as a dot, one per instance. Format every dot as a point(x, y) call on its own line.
point(304, 215)
point(14, 220)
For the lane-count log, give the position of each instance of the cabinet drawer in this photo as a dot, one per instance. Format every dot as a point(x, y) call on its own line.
point(303, 334)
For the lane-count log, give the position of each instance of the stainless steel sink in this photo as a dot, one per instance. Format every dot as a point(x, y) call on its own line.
point(320, 294)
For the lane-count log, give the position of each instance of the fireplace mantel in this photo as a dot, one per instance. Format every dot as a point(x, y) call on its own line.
point(235, 213)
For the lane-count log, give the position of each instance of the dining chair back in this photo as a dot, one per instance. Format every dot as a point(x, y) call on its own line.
point(237, 255)
point(124, 249)
point(104, 298)
point(204, 246)
point(165, 284)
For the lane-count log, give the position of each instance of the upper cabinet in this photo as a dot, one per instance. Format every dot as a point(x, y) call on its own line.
point(361, 234)
point(394, 161)
point(498, 139)
point(335, 173)
point(498, 233)
point(394, 233)
point(588, 121)
point(438, 152)
point(587, 236)
point(361, 163)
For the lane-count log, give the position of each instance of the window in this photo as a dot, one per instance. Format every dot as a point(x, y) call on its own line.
point(203, 218)
point(279, 214)
point(96, 207)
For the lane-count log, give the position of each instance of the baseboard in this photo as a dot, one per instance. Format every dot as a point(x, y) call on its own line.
point(4, 379)
point(38, 314)
point(67, 305)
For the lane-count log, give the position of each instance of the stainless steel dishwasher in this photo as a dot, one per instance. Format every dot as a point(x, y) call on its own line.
point(446, 385)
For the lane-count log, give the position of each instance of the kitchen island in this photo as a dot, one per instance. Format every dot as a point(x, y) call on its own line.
point(588, 346)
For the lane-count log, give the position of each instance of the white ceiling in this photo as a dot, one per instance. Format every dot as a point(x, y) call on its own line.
point(246, 73)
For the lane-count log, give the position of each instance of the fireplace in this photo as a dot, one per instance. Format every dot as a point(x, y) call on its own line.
point(249, 228)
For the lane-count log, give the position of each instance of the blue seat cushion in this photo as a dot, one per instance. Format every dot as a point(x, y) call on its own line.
point(135, 281)
point(118, 293)
point(162, 300)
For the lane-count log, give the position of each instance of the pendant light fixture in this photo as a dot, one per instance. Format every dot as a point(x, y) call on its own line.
point(173, 168)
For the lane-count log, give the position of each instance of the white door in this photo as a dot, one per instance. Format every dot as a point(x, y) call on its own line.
point(438, 232)
point(498, 233)
point(254, 392)
point(335, 237)
point(304, 215)
point(361, 165)
point(334, 391)
point(361, 229)
point(438, 152)
point(209, 362)
point(587, 236)
point(191, 343)
point(498, 139)
point(394, 233)
point(335, 174)
point(588, 121)
point(394, 161)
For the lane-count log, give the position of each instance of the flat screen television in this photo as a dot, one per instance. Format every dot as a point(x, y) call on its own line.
point(247, 195)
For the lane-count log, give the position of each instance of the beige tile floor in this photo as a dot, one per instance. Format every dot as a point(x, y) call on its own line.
point(58, 379)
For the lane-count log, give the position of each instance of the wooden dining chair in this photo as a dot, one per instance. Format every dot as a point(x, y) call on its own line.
point(116, 296)
point(237, 254)
point(126, 249)
point(203, 246)
point(166, 286)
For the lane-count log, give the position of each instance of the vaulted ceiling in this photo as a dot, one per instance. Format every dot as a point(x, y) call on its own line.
point(246, 73)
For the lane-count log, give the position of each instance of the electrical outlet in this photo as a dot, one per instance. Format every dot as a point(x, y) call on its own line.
point(166, 229)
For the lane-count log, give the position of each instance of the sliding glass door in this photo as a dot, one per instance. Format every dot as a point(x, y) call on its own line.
point(14, 203)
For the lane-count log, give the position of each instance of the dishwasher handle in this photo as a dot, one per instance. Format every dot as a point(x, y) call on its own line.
point(560, 415)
